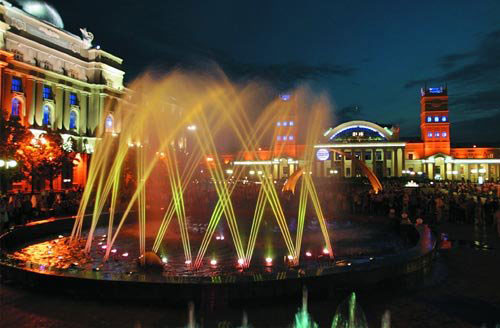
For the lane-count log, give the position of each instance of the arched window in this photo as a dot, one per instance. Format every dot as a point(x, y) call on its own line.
point(73, 120)
point(109, 123)
point(16, 107)
point(47, 115)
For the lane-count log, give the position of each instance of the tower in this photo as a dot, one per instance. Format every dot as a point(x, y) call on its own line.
point(434, 120)
point(286, 127)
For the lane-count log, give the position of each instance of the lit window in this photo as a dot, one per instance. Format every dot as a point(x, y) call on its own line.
point(16, 106)
point(285, 138)
point(436, 118)
point(109, 123)
point(285, 123)
point(290, 138)
point(73, 117)
point(291, 123)
point(444, 134)
point(278, 138)
point(444, 119)
point(17, 84)
point(73, 100)
point(47, 120)
point(429, 119)
point(437, 134)
point(429, 134)
point(361, 133)
point(354, 134)
point(278, 124)
point(47, 92)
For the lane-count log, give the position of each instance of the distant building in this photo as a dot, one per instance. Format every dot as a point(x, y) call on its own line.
point(382, 150)
point(53, 79)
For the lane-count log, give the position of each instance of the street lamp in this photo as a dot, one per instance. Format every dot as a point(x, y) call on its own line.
point(8, 164)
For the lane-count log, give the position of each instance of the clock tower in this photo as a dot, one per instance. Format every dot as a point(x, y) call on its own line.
point(434, 120)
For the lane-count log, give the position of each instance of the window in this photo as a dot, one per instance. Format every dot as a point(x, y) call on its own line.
point(444, 134)
point(361, 133)
point(429, 134)
point(347, 155)
point(436, 118)
point(285, 138)
point(437, 134)
point(285, 123)
point(16, 106)
point(444, 119)
point(368, 156)
point(47, 92)
point(410, 156)
point(278, 124)
point(388, 171)
point(291, 123)
point(357, 154)
point(338, 156)
point(47, 119)
point(355, 134)
point(17, 84)
point(388, 155)
point(109, 123)
point(348, 172)
point(278, 138)
point(73, 120)
point(378, 155)
point(73, 100)
point(429, 119)
point(290, 138)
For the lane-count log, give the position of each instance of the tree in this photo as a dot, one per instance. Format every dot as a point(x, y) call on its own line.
point(12, 133)
point(43, 157)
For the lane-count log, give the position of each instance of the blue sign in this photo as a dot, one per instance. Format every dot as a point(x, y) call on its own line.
point(436, 90)
point(322, 154)
point(285, 96)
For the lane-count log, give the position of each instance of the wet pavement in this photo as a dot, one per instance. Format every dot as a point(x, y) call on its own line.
point(463, 290)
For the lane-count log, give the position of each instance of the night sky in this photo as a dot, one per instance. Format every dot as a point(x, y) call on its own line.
point(371, 57)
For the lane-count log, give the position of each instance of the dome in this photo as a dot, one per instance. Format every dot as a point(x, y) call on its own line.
point(42, 11)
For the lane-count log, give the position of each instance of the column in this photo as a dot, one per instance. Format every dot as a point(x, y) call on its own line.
point(59, 109)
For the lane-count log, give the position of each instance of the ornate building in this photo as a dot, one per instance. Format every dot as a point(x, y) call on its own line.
point(55, 80)
point(382, 150)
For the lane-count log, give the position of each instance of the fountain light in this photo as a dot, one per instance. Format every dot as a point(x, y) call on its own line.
point(125, 254)
point(213, 262)
point(241, 262)
point(187, 262)
point(308, 254)
point(191, 127)
point(60, 236)
point(164, 259)
point(104, 246)
point(326, 251)
point(269, 261)
point(113, 250)
point(290, 257)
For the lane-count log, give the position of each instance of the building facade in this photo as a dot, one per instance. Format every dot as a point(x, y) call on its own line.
point(54, 80)
point(381, 149)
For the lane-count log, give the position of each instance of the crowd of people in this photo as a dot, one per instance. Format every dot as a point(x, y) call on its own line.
point(20, 208)
point(431, 202)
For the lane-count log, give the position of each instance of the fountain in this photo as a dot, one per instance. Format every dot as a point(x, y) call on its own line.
point(160, 194)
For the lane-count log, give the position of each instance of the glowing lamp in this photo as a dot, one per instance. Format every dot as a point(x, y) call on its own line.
point(164, 259)
point(104, 246)
point(269, 261)
point(290, 257)
point(241, 261)
point(252, 172)
point(125, 254)
point(213, 262)
point(11, 163)
point(326, 251)
point(113, 250)
point(187, 262)
point(229, 171)
point(308, 254)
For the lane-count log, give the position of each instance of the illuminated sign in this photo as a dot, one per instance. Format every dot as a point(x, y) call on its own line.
point(322, 154)
point(436, 90)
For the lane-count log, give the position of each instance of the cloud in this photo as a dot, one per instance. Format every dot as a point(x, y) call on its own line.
point(480, 101)
point(481, 65)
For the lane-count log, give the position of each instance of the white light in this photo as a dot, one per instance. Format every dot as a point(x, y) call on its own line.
point(192, 127)
point(253, 162)
point(125, 254)
point(473, 171)
point(104, 246)
point(252, 172)
point(454, 172)
point(241, 261)
point(164, 259)
point(363, 145)
point(213, 262)
point(335, 172)
point(331, 171)
point(229, 171)
point(187, 262)
point(473, 161)
point(269, 260)
point(420, 173)
point(482, 171)
point(259, 172)
point(290, 257)
point(325, 251)
point(2, 163)
point(11, 163)
point(308, 254)
point(113, 250)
